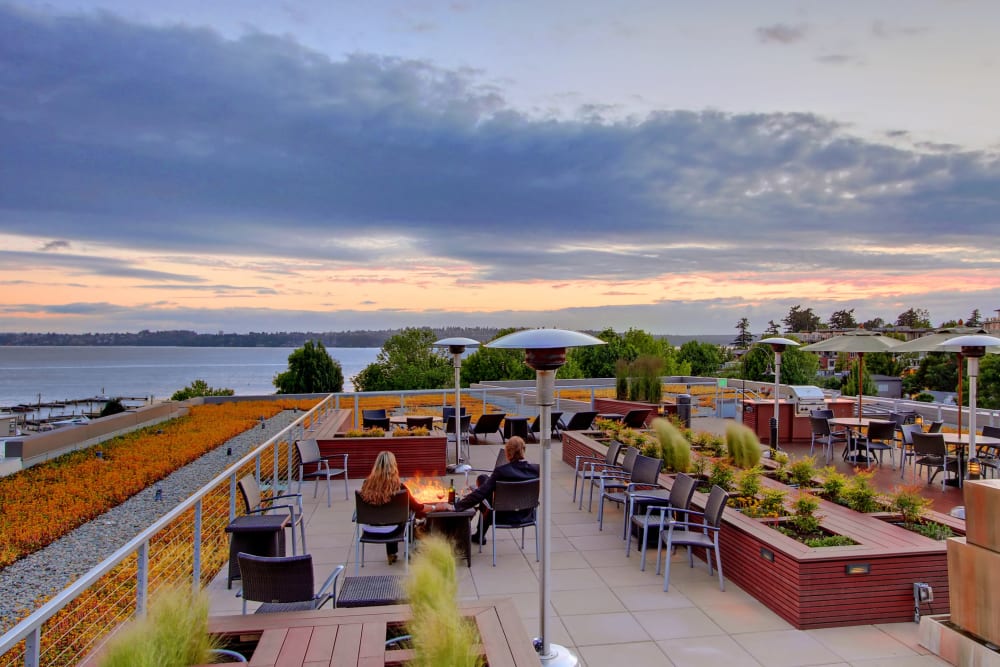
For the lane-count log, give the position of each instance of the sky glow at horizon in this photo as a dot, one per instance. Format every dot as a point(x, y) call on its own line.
point(314, 166)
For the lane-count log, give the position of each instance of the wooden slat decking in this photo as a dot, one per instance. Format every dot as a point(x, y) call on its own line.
point(346, 637)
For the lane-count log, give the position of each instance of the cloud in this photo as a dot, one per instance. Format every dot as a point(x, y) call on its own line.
point(55, 245)
point(782, 33)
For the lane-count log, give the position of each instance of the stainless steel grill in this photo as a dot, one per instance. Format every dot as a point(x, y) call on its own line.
point(807, 398)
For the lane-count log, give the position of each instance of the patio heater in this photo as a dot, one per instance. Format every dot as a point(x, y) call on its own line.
point(545, 351)
point(778, 345)
point(456, 346)
point(972, 348)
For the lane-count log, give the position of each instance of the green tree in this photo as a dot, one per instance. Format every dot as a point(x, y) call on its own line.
point(915, 318)
point(488, 363)
point(704, 358)
point(757, 364)
point(311, 370)
point(744, 339)
point(883, 363)
point(799, 320)
point(112, 407)
point(598, 361)
point(938, 371)
point(873, 324)
point(843, 319)
point(199, 388)
point(407, 360)
point(772, 330)
point(850, 387)
point(975, 319)
point(988, 386)
point(797, 367)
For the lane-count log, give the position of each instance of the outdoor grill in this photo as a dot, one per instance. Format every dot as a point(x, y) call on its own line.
point(806, 398)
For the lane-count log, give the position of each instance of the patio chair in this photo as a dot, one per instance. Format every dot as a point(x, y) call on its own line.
point(396, 513)
point(582, 470)
point(536, 425)
point(657, 511)
point(906, 447)
point(931, 452)
point(581, 421)
point(989, 455)
point(821, 431)
point(309, 456)
point(514, 497)
point(636, 418)
point(644, 477)
point(255, 503)
point(375, 419)
point(501, 460)
point(690, 532)
point(936, 426)
point(881, 438)
point(621, 473)
point(449, 432)
point(413, 421)
point(284, 583)
point(486, 425)
point(450, 412)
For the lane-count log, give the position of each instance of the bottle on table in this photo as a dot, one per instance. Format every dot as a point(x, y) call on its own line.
point(451, 493)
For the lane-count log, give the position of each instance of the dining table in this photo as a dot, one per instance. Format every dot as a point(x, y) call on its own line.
point(855, 428)
point(960, 441)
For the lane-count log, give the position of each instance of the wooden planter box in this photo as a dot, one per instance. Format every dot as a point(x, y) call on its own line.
point(810, 587)
point(356, 636)
point(418, 455)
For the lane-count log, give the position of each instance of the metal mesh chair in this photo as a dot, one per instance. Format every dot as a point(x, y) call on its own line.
point(319, 468)
point(536, 425)
point(880, 438)
point(515, 497)
point(906, 432)
point(581, 421)
point(255, 503)
point(603, 478)
point(487, 424)
point(690, 533)
point(821, 431)
point(656, 511)
point(931, 452)
point(396, 512)
point(645, 475)
point(989, 455)
point(375, 419)
point(585, 467)
point(284, 583)
point(414, 421)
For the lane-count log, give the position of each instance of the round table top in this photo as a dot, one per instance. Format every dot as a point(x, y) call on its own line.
point(963, 439)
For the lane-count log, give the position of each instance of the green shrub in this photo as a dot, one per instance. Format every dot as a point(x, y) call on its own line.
point(829, 541)
point(717, 445)
point(860, 495)
point(834, 483)
point(173, 634)
point(802, 471)
point(743, 445)
point(804, 514)
point(908, 502)
point(748, 481)
point(722, 475)
point(770, 506)
point(934, 530)
point(674, 447)
point(441, 635)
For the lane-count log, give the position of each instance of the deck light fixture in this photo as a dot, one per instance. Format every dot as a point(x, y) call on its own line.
point(545, 351)
point(972, 347)
point(858, 568)
point(456, 346)
point(778, 345)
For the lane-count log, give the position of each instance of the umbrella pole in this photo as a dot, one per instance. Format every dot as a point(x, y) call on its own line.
point(960, 393)
point(861, 382)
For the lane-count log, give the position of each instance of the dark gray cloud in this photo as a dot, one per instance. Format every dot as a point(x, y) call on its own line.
point(782, 33)
point(176, 140)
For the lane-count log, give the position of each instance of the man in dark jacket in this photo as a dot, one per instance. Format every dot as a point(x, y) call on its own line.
point(515, 470)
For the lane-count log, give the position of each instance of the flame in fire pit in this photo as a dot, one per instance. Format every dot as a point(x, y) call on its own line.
point(427, 490)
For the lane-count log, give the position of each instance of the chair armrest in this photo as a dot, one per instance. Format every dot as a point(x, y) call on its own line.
point(634, 486)
point(329, 585)
point(688, 512)
point(690, 524)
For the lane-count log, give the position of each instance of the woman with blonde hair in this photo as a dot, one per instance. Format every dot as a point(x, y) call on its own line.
point(378, 489)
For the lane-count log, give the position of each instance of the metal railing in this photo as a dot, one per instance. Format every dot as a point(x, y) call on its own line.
point(188, 543)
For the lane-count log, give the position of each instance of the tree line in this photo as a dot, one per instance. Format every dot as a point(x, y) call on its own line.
point(805, 320)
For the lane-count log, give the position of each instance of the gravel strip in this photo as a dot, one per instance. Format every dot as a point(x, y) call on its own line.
point(46, 572)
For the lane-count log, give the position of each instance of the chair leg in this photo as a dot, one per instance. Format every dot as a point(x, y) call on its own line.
point(718, 563)
point(576, 479)
point(346, 490)
point(666, 567)
point(538, 553)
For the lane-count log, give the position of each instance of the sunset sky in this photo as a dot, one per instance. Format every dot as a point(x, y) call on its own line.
point(250, 165)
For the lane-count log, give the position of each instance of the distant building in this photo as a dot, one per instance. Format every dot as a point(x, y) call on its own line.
point(992, 324)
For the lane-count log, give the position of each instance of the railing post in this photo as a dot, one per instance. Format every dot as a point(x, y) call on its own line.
point(33, 648)
point(232, 497)
point(196, 560)
point(274, 467)
point(256, 467)
point(356, 411)
point(142, 579)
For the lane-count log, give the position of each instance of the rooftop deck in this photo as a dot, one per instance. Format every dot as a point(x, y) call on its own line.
point(608, 611)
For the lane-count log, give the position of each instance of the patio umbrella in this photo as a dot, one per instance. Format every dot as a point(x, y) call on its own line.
point(858, 341)
point(931, 343)
point(973, 347)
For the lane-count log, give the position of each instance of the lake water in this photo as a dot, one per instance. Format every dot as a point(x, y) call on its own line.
point(61, 373)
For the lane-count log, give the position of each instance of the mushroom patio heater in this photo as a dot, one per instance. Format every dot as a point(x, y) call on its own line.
point(456, 346)
point(545, 351)
point(778, 345)
point(972, 348)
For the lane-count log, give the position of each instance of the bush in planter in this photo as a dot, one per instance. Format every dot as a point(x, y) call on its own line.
point(770, 505)
point(860, 495)
point(804, 518)
point(834, 483)
point(722, 475)
point(441, 635)
point(173, 633)
point(374, 432)
point(748, 482)
point(802, 471)
point(403, 432)
point(909, 503)
point(743, 445)
point(674, 447)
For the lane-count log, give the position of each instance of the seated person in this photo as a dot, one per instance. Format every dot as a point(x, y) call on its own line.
point(516, 470)
point(379, 488)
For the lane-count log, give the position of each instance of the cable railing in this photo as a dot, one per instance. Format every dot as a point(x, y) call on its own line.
point(187, 545)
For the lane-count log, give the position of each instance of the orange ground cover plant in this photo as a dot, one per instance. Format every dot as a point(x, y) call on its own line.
point(45, 502)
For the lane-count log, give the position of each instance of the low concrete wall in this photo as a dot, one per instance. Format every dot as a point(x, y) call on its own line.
point(41, 447)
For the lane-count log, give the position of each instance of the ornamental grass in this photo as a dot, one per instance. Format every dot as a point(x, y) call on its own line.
point(44, 502)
